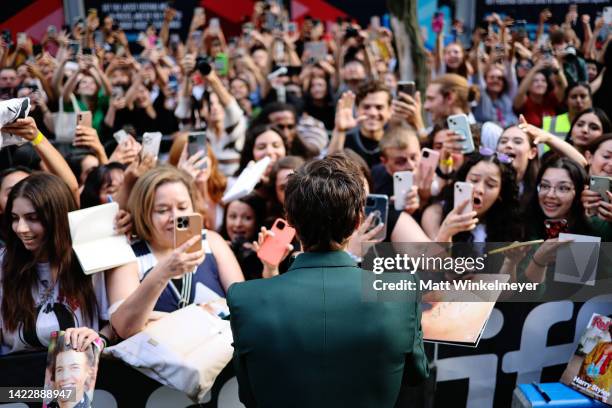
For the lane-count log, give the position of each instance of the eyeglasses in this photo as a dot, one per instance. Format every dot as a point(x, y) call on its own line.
point(502, 157)
point(285, 127)
point(560, 190)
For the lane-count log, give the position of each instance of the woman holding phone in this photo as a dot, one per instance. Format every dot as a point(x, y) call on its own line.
point(166, 278)
point(43, 286)
point(494, 203)
point(556, 208)
point(599, 157)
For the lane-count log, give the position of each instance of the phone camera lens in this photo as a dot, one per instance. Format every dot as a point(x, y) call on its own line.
point(426, 154)
point(280, 225)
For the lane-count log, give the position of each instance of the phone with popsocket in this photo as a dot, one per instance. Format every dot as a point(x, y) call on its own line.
point(378, 205)
point(274, 246)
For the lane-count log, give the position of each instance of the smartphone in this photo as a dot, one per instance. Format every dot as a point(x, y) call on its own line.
point(150, 144)
point(84, 118)
point(121, 136)
point(22, 38)
point(602, 185)
point(375, 22)
point(273, 247)
point(463, 191)
point(407, 87)
point(74, 47)
point(402, 184)
point(51, 31)
point(196, 36)
point(429, 159)
point(87, 51)
point(461, 125)
point(214, 24)
point(607, 15)
point(378, 204)
point(197, 142)
point(185, 227)
point(291, 28)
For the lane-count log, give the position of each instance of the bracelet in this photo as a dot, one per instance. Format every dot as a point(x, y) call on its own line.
point(39, 138)
point(537, 263)
point(355, 258)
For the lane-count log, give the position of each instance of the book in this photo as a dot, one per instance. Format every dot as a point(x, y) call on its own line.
point(247, 180)
point(70, 376)
point(94, 240)
point(551, 395)
point(455, 317)
point(589, 370)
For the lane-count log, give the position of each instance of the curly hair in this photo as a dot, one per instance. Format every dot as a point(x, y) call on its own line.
point(502, 220)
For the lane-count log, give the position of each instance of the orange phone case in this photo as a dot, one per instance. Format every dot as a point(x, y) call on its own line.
point(84, 118)
point(272, 249)
point(185, 227)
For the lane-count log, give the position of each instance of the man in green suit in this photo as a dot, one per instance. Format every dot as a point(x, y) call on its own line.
point(306, 338)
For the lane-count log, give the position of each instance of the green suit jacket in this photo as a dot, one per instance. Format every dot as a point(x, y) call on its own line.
point(307, 339)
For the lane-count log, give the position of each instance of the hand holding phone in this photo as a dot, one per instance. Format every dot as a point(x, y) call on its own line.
point(378, 205)
point(463, 192)
point(275, 244)
point(84, 119)
point(402, 184)
point(461, 125)
point(185, 228)
point(407, 87)
point(151, 142)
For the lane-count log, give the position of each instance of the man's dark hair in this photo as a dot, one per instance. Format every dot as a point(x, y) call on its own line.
point(324, 202)
point(370, 87)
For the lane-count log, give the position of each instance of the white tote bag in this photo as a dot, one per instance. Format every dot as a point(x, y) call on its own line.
point(185, 350)
point(64, 123)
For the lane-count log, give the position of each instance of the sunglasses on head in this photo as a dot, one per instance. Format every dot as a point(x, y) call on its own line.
point(502, 157)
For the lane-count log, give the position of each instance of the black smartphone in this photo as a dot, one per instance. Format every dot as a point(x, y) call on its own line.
point(197, 142)
point(407, 87)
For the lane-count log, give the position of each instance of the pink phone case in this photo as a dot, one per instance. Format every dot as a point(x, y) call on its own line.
point(272, 249)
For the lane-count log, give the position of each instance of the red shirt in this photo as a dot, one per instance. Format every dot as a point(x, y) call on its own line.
point(534, 112)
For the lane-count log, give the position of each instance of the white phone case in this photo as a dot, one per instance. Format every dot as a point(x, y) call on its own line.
point(461, 124)
point(463, 191)
point(150, 143)
point(121, 136)
point(402, 183)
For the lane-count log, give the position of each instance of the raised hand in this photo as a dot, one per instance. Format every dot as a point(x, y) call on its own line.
point(345, 120)
point(455, 222)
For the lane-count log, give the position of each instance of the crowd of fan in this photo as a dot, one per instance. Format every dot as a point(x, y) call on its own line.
point(537, 109)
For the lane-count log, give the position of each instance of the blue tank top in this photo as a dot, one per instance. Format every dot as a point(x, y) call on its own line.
point(194, 287)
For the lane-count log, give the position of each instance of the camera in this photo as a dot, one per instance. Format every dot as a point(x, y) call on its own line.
point(203, 64)
point(182, 222)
